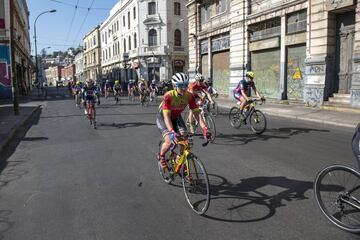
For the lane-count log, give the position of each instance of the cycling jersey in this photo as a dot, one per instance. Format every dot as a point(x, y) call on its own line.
point(77, 89)
point(117, 87)
point(175, 103)
point(89, 93)
point(246, 86)
point(196, 88)
point(107, 86)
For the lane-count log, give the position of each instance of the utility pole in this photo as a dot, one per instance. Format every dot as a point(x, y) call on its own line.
point(15, 93)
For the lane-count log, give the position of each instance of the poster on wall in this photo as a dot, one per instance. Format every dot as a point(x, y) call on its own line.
point(5, 72)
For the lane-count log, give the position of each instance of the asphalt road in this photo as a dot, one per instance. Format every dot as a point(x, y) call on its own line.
point(65, 180)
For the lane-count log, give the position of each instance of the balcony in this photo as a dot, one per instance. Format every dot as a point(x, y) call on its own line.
point(216, 21)
point(153, 50)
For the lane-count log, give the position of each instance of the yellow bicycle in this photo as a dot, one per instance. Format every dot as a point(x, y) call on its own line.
point(192, 172)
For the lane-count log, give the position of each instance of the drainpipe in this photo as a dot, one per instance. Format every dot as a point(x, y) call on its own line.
point(196, 34)
point(244, 40)
point(12, 60)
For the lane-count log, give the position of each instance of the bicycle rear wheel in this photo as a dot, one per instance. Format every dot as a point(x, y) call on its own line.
point(235, 117)
point(257, 122)
point(337, 192)
point(166, 174)
point(196, 185)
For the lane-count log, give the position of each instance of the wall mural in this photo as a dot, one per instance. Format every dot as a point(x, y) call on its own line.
point(314, 96)
point(5, 72)
point(295, 72)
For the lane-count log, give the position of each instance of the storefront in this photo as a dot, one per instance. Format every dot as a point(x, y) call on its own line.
point(220, 47)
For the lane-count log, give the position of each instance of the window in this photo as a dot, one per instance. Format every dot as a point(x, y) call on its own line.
point(124, 45)
point(114, 51)
point(296, 22)
point(129, 42)
point(152, 37)
point(124, 21)
point(118, 47)
point(105, 38)
point(177, 37)
point(134, 12)
point(128, 20)
point(94, 40)
point(94, 57)
point(117, 25)
point(177, 8)
point(109, 52)
point(135, 43)
point(151, 8)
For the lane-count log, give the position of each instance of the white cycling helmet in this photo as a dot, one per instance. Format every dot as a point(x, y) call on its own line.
point(199, 77)
point(180, 79)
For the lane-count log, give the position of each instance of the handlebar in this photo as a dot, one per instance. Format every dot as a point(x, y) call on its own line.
point(185, 141)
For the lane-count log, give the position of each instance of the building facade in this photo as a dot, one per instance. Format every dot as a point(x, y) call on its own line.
point(297, 51)
point(79, 67)
point(92, 54)
point(145, 39)
point(14, 43)
point(53, 75)
point(68, 73)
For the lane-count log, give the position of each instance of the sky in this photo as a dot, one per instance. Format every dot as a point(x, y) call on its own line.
point(68, 25)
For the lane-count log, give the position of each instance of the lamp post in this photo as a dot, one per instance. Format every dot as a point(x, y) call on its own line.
point(36, 57)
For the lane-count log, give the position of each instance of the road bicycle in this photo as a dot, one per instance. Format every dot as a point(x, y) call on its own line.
point(91, 112)
point(144, 100)
point(206, 116)
point(153, 95)
point(337, 191)
point(191, 170)
point(78, 99)
point(117, 97)
point(256, 118)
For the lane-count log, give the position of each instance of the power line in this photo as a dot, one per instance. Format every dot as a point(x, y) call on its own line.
point(82, 24)
point(81, 7)
point(72, 21)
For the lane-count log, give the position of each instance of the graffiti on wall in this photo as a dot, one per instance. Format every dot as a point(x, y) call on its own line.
point(355, 98)
point(313, 96)
point(5, 72)
point(295, 72)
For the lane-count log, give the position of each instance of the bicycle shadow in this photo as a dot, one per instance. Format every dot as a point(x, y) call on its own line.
point(245, 202)
point(111, 126)
point(274, 133)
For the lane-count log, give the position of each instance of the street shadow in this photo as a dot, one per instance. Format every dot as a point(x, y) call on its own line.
point(273, 133)
point(110, 126)
point(34, 138)
point(252, 199)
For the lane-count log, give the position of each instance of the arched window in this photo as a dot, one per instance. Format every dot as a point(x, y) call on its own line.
point(152, 37)
point(135, 44)
point(177, 37)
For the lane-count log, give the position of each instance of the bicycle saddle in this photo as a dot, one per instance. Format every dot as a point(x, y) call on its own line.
point(355, 144)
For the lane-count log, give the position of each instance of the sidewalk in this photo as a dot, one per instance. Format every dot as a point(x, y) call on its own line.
point(301, 112)
point(9, 123)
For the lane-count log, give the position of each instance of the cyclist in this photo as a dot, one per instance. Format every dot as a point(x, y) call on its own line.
point(77, 92)
point(242, 92)
point(107, 88)
point(169, 119)
point(200, 90)
point(117, 88)
point(98, 91)
point(131, 88)
point(142, 89)
point(89, 93)
point(153, 89)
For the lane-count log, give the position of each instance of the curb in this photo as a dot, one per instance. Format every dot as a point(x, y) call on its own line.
point(13, 132)
point(224, 105)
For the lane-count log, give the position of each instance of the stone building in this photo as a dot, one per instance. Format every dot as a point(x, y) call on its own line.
point(92, 54)
point(68, 73)
point(299, 50)
point(53, 75)
point(145, 39)
point(14, 43)
point(79, 67)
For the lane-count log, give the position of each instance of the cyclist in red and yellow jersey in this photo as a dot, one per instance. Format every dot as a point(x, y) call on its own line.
point(169, 119)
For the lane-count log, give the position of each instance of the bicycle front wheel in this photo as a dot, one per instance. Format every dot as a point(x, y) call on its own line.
point(196, 185)
point(257, 122)
point(235, 117)
point(337, 192)
point(211, 126)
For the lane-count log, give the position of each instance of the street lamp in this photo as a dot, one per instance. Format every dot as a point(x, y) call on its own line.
point(36, 57)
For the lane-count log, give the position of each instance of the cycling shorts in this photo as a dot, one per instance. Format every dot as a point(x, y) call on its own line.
point(238, 97)
point(178, 125)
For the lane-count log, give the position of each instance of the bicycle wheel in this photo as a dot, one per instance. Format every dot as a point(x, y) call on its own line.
point(166, 174)
point(235, 117)
point(214, 110)
point(211, 126)
point(195, 183)
point(337, 192)
point(257, 122)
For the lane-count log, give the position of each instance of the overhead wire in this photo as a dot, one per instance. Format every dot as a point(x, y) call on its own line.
point(83, 22)
point(81, 7)
point(72, 20)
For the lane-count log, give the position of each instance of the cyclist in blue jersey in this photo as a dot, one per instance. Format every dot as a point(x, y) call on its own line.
point(89, 93)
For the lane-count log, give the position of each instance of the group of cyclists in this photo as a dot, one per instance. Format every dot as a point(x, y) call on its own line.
point(185, 93)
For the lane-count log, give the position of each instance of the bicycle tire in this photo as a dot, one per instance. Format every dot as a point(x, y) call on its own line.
point(167, 175)
point(235, 117)
point(210, 123)
point(343, 210)
point(194, 186)
point(255, 119)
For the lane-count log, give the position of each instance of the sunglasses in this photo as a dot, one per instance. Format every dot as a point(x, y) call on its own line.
point(181, 85)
